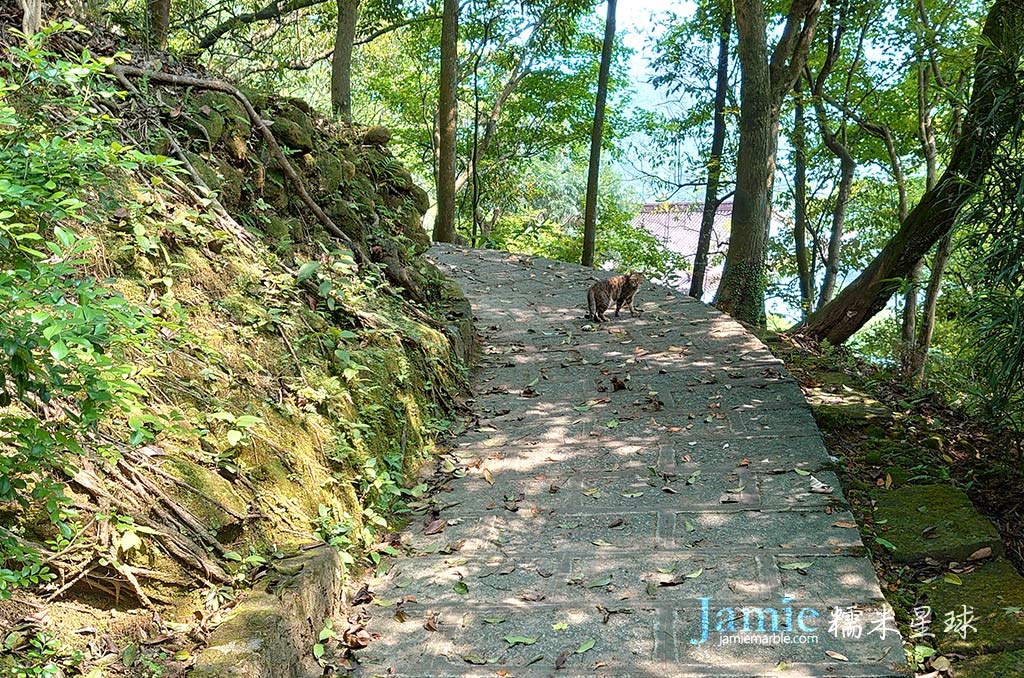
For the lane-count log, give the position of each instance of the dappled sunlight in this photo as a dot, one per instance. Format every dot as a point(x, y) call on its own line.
point(618, 477)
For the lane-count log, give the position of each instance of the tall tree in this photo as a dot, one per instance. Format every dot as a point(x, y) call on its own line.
point(341, 60)
point(711, 201)
point(803, 263)
point(836, 143)
point(766, 79)
point(32, 17)
point(992, 113)
point(159, 12)
point(590, 209)
point(447, 123)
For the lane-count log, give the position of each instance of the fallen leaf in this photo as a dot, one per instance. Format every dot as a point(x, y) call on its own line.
point(473, 658)
point(837, 656)
point(363, 595)
point(519, 640)
point(585, 646)
point(488, 477)
point(560, 660)
point(599, 582)
point(818, 487)
point(802, 472)
point(983, 552)
point(951, 578)
point(460, 588)
point(796, 566)
point(494, 620)
point(848, 524)
point(559, 626)
point(430, 621)
point(434, 526)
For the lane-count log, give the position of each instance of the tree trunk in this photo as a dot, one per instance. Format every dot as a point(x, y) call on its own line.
point(341, 60)
point(931, 298)
point(847, 167)
point(803, 268)
point(159, 21)
point(764, 84)
point(590, 207)
point(711, 201)
point(991, 114)
point(32, 17)
point(926, 134)
point(444, 224)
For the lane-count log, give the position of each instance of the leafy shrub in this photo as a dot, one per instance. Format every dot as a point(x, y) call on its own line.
point(68, 343)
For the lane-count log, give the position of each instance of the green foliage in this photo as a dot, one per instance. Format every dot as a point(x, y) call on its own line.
point(547, 220)
point(38, 654)
point(68, 343)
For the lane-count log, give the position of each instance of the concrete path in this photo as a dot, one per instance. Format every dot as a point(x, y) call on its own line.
point(625, 481)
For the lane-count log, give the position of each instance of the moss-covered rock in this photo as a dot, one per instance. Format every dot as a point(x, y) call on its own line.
point(932, 521)
point(896, 475)
point(377, 135)
point(420, 199)
point(292, 135)
point(1000, 665)
point(293, 127)
point(330, 173)
point(994, 597)
point(846, 409)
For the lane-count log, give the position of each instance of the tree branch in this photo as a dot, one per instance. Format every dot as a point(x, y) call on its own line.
point(327, 54)
point(274, 10)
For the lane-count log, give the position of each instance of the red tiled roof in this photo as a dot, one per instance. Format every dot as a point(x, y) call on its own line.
point(677, 226)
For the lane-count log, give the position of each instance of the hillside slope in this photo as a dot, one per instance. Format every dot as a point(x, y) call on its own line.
point(198, 385)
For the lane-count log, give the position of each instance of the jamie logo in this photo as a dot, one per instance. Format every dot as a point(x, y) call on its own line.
point(752, 624)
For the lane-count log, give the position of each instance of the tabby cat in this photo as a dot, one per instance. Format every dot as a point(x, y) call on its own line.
point(621, 289)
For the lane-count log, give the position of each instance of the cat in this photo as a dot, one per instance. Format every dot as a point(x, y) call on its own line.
point(621, 289)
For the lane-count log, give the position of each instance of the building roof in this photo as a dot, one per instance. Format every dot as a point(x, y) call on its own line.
point(677, 226)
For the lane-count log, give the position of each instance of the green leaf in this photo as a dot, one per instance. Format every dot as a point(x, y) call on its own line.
point(234, 437)
point(951, 578)
point(318, 650)
point(129, 541)
point(59, 350)
point(613, 423)
point(796, 566)
point(802, 472)
point(585, 646)
point(599, 582)
point(494, 620)
point(460, 588)
point(519, 640)
point(886, 543)
point(559, 626)
point(306, 270)
point(247, 421)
